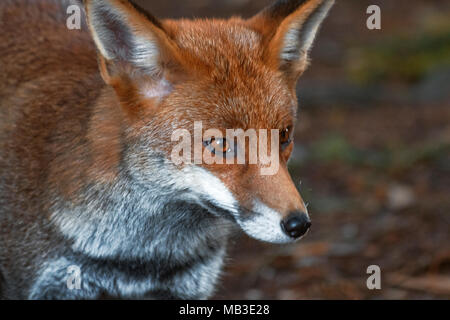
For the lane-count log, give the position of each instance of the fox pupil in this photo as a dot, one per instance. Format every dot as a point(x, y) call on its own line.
point(285, 136)
point(218, 146)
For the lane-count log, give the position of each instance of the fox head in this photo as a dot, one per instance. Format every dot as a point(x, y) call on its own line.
point(224, 74)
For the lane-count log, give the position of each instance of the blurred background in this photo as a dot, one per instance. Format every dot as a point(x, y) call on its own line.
point(372, 157)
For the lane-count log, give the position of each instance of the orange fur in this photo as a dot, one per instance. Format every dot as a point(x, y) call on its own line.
point(86, 124)
point(220, 71)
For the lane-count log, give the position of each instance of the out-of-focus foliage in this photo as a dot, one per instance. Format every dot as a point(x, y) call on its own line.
point(335, 148)
point(407, 58)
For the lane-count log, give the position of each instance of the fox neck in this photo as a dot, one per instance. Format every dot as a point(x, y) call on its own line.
point(125, 221)
point(107, 212)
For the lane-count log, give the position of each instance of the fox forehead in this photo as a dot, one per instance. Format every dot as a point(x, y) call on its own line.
point(216, 38)
point(233, 80)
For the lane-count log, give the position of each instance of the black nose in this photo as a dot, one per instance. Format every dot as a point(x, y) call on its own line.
point(296, 224)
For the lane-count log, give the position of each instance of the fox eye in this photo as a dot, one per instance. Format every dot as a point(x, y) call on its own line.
point(285, 137)
point(219, 146)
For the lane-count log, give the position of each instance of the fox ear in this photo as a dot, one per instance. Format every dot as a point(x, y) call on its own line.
point(126, 36)
point(289, 28)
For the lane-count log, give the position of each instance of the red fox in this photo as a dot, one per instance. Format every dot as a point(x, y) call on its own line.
point(87, 119)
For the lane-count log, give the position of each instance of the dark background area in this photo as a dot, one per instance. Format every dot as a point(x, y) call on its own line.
point(371, 157)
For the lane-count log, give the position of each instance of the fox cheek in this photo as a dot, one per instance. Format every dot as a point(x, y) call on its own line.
point(210, 188)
